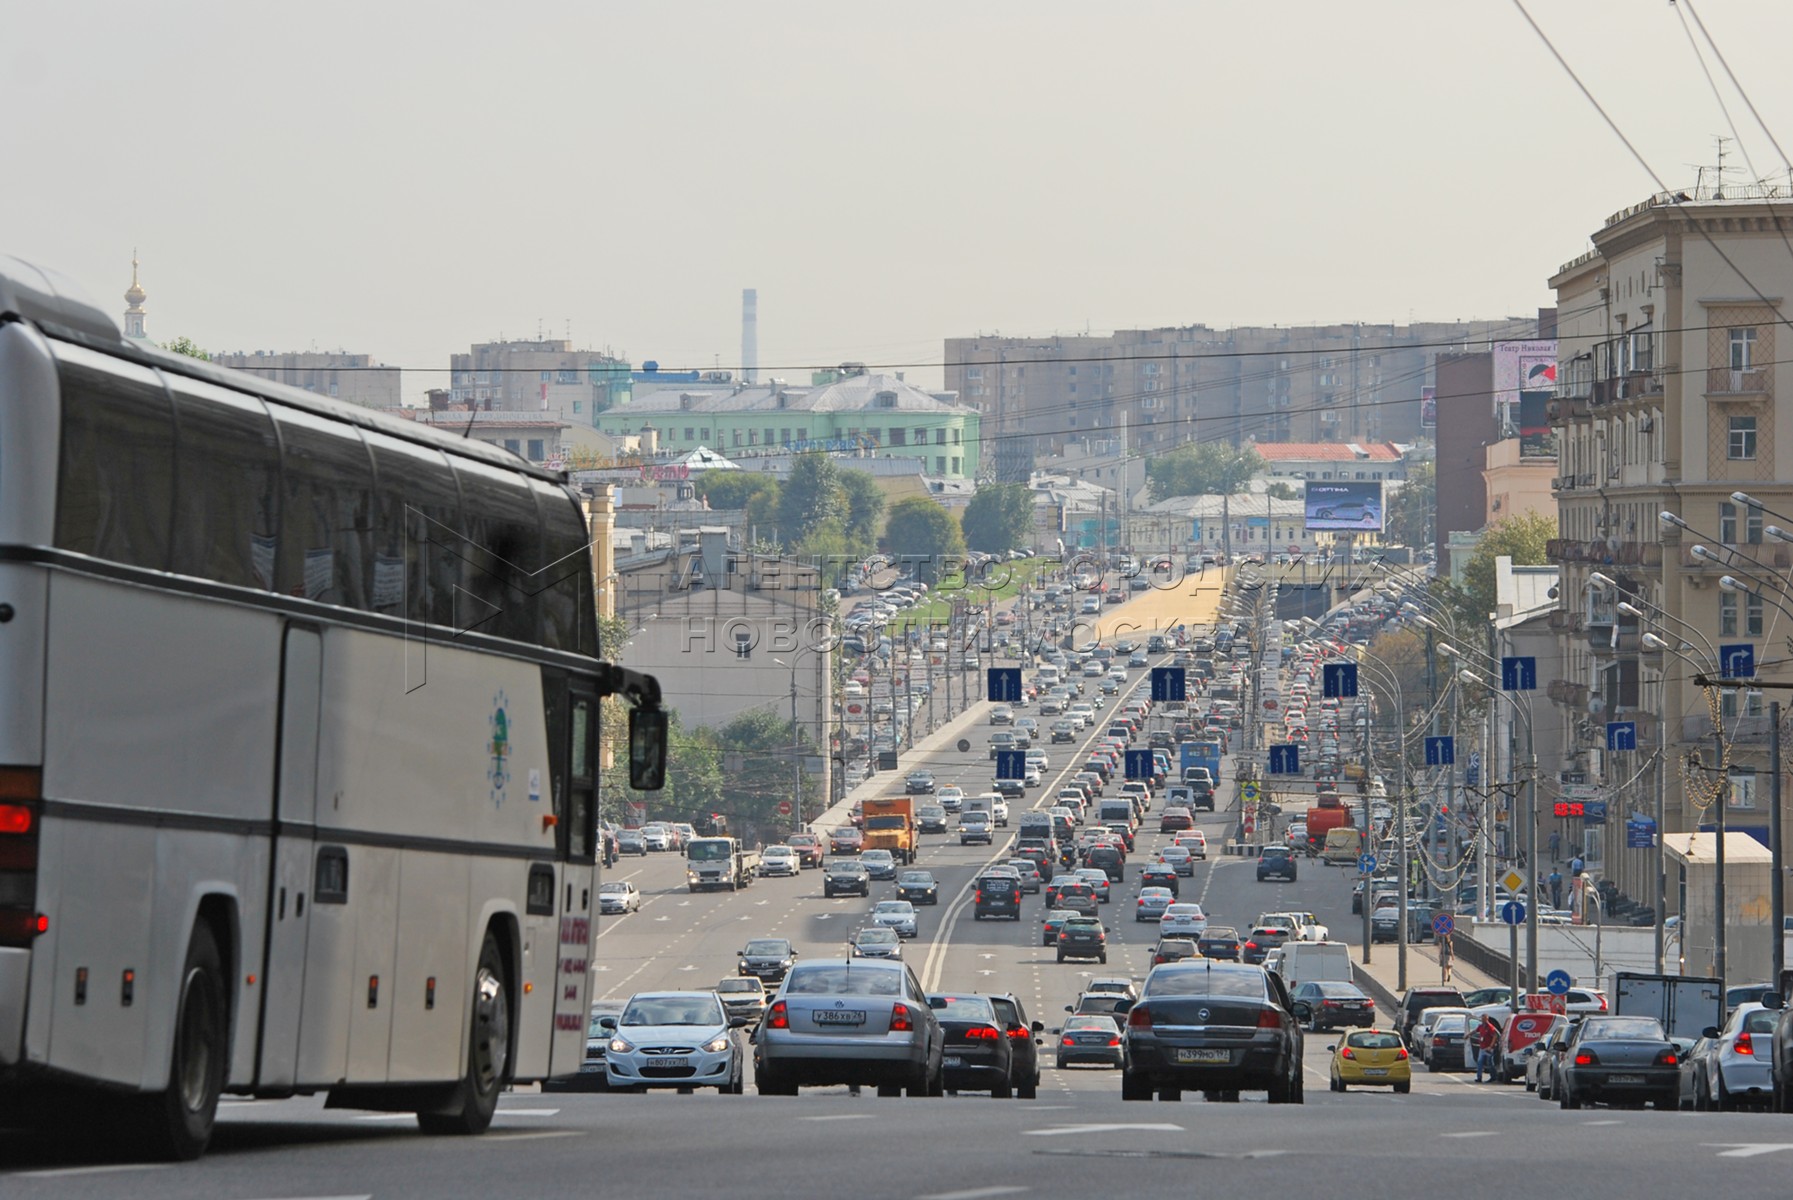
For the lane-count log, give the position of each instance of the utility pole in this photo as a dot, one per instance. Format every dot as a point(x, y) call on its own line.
point(1718, 917)
point(1777, 887)
point(796, 751)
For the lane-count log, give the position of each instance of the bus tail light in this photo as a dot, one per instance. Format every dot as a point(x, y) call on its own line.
point(21, 806)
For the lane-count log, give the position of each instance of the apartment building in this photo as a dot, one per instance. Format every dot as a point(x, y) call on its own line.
point(1667, 403)
point(355, 378)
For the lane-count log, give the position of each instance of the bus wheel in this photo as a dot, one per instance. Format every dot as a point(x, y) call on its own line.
point(475, 1098)
point(177, 1122)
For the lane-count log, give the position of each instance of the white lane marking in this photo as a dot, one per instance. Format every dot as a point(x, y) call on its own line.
point(1060, 1130)
point(1749, 1149)
point(974, 1193)
point(841, 1117)
point(1472, 1133)
point(1591, 1123)
point(361, 1196)
point(387, 1117)
point(528, 1112)
point(533, 1137)
point(107, 1169)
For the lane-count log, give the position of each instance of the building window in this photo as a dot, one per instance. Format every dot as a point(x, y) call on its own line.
point(940, 436)
point(753, 437)
point(743, 643)
point(536, 453)
point(737, 437)
point(899, 436)
point(704, 433)
point(1742, 444)
point(939, 464)
point(1752, 626)
point(688, 432)
point(1743, 349)
point(1727, 523)
point(958, 465)
point(577, 404)
point(957, 432)
point(513, 445)
point(1727, 614)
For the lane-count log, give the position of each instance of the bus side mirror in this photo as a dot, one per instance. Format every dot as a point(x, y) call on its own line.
point(647, 749)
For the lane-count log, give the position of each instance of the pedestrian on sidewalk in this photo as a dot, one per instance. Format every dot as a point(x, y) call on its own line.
point(1487, 1036)
point(1556, 888)
point(1576, 866)
point(1556, 846)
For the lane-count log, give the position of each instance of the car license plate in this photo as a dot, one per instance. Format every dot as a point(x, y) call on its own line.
point(1375, 1070)
point(1202, 1056)
point(838, 1016)
point(952, 1060)
point(1625, 1080)
point(668, 1062)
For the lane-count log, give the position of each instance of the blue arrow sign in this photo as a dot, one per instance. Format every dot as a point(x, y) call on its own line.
point(1011, 764)
point(1285, 760)
point(1140, 764)
point(1441, 751)
point(1519, 673)
point(1444, 924)
point(1366, 864)
point(1004, 685)
point(1621, 735)
point(1339, 680)
point(1168, 685)
point(1513, 912)
point(1557, 983)
point(1737, 660)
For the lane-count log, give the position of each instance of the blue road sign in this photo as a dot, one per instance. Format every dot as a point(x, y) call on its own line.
point(1640, 833)
point(1011, 764)
point(1621, 735)
point(1444, 924)
point(1519, 673)
point(1557, 983)
point(1285, 760)
point(1737, 660)
point(1593, 812)
point(1339, 680)
point(1513, 912)
point(1472, 774)
point(1004, 686)
point(1140, 764)
point(1441, 751)
point(1168, 685)
point(1366, 863)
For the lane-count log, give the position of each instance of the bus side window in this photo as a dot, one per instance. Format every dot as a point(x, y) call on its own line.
point(115, 481)
point(331, 885)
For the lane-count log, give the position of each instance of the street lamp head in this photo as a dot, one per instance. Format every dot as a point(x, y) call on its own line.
point(1653, 642)
point(1730, 583)
point(1701, 552)
point(1775, 531)
point(1669, 518)
point(1747, 499)
point(1630, 609)
point(1469, 677)
point(1596, 579)
point(1448, 650)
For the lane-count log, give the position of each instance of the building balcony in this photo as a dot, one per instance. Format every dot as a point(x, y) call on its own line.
point(1568, 693)
point(1722, 381)
point(1605, 552)
point(1564, 409)
point(1564, 621)
point(1612, 640)
point(1763, 554)
point(1634, 385)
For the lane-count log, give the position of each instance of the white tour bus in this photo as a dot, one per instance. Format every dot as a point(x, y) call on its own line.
point(298, 745)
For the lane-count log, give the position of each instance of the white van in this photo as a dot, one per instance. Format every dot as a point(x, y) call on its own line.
point(1315, 962)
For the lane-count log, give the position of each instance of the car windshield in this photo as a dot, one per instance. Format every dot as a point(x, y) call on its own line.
point(1082, 922)
point(886, 822)
point(875, 856)
point(1338, 989)
point(674, 1010)
point(1220, 933)
point(740, 985)
point(1092, 1021)
point(1639, 1028)
point(1374, 1041)
point(601, 1023)
point(613, 889)
point(921, 877)
point(963, 1008)
point(894, 906)
point(1205, 979)
point(767, 946)
point(835, 979)
point(869, 937)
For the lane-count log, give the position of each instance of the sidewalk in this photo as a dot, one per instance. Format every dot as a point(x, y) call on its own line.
point(1381, 978)
point(880, 784)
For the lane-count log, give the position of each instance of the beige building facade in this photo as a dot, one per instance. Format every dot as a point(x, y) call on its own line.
point(1518, 484)
point(1668, 403)
point(354, 378)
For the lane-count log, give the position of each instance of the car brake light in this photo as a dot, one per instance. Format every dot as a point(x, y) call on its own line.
point(1269, 1018)
point(1251, 945)
point(899, 1019)
point(1586, 1059)
point(1745, 1044)
point(1140, 1017)
point(15, 819)
point(1667, 1059)
point(1346, 1053)
point(1067, 1041)
point(1114, 1041)
point(1400, 1052)
point(778, 1017)
point(1438, 1041)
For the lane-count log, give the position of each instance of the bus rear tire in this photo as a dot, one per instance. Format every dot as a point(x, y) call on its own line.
point(176, 1124)
point(474, 1100)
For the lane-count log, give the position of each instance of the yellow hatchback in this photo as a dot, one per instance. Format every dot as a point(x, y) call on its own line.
point(1372, 1057)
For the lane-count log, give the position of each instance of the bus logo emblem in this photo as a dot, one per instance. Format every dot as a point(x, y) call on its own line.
point(498, 749)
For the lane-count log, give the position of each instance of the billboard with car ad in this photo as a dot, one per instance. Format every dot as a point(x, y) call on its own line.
point(1345, 506)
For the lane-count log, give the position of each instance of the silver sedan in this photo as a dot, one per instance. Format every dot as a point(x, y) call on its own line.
point(675, 1039)
point(854, 1021)
point(895, 914)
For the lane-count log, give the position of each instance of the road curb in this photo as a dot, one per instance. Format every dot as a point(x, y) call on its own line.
point(1377, 989)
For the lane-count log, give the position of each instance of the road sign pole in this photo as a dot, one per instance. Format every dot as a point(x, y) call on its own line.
point(1777, 880)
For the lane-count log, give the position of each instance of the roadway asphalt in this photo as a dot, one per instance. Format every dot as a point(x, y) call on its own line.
point(1449, 1136)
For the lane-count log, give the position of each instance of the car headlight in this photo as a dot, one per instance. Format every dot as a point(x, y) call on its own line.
point(717, 1044)
point(619, 1046)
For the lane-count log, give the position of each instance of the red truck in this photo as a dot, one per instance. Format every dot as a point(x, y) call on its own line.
point(1329, 814)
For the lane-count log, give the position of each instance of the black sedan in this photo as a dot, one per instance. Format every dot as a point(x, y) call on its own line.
point(976, 1052)
point(1624, 1059)
point(1024, 1044)
point(918, 783)
point(918, 887)
point(1221, 1028)
point(846, 877)
point(1332, 1004)
point(1089, 1038)
point(1221, 942)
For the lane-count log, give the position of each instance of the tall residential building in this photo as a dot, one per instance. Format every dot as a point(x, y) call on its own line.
point(1158, 388)
point(1668, 402)
point(356, 378)
point(545, 375)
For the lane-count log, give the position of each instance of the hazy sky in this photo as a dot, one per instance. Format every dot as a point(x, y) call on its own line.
point(404, 179)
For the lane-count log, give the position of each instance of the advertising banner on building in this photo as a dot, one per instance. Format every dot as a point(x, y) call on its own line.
point(1428, 408)
point(1524, 381)
point(1344, 505)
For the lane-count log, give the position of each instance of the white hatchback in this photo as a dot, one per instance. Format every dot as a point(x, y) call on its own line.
point(1183, 920)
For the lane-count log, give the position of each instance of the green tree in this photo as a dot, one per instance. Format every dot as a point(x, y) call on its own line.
point(186, 345)
point(810, 495)
point(828, 548)
point(999, 518)
point(1202, 469)
point(865, 508)
point(1282, 491)
point(924, 535)
point(1522, 538)
point(733, 489)
point(1411, 507)
point(612, 633)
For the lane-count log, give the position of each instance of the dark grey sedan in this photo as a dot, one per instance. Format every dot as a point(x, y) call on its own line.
point(1221, 1028)
point(1624, 1059)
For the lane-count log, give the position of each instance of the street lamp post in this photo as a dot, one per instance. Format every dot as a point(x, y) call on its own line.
point(1531, 756)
